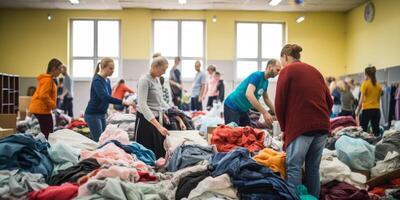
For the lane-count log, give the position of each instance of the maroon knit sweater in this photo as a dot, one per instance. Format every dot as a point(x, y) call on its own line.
point(303, 102)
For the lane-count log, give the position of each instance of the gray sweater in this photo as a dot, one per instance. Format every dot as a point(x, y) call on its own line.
point(150, 100)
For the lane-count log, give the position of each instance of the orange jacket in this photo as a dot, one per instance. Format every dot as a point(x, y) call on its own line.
point(44, 99)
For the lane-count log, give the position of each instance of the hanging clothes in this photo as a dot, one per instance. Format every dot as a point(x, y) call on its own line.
point(397, 109)
point(385, 105)
point(392, 106)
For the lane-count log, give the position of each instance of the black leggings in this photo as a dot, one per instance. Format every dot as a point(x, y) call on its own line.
point(373, 116)
point(46, 124)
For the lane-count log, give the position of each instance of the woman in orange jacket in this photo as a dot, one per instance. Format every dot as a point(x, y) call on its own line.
point(44, 98)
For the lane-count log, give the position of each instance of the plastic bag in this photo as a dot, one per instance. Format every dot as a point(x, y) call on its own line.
point(355, 153)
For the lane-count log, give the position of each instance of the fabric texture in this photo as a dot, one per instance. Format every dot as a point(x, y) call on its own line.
point(273, 160)
point(220, 185)
point(148, 135)
point(343, 121)
point(305, 111)
point(23, 152)
point(100, 96)
point(188, 183)
point(112, 188)
point(227, 138)
point(14, 185)
point(347, 100)
point(138, 150)
point(114, 133)
point(63, 156)
point(238, 101)
point(389, 143)
point(150, 101)
point(342, 191)
point(97, 125)
point(177, 138)
point(44, 98)
point(250, 178)
point(72, 174)
point(72, 139)
point(64, 192)
point(188, 155)
point(372, 95)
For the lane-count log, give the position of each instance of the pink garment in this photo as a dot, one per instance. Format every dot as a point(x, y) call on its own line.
point(111, 154)
point(212, 87)
point(397, 109)
point(112, 132)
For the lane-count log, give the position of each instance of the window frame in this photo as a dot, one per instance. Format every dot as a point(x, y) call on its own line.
point(95, 56)
point(259, 58)
point(203, 59)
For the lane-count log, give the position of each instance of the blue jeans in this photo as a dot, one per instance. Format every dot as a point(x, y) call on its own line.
point(306, 149)
point(97, 125)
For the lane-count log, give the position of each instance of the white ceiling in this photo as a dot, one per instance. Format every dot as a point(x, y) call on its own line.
point(285, 5)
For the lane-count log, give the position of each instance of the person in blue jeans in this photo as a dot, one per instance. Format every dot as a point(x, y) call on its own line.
point(303, 104)
point(246, 95)
point(100, 98)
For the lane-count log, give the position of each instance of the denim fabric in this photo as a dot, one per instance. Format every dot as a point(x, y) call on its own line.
point(141, 152)
point(306, 149)
point(246, 175)
point(97, 125)
point(188, 155)
point(23, 152)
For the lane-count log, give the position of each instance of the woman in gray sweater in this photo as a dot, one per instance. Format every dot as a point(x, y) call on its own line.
point(149, 130)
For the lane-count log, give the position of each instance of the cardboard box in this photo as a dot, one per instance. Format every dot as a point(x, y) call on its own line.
point(6, 132)
point(8, 121)
point(384, 179)
point(24, 102)
point(209, 133)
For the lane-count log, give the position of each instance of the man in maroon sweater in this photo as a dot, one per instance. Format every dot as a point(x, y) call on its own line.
point(303, 104)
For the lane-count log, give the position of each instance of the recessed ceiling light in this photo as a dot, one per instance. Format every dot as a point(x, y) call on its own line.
point(49, 17)
point(182, 1)
point(300, 19)
point(214, 19)
point(274, 2)
point(74, 1)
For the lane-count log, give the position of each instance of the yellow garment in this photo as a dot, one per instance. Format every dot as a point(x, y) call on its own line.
point(372, 95)
point(273, 160)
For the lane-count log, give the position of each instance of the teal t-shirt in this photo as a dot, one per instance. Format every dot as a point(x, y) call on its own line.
point(237, 99)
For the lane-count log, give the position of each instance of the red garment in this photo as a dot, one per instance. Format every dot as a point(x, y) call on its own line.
point(66, 191)
point(197, 113)
point(303, 102)
point(227, 138)
point(336, 190)
point(86, 178)
point(344, 121)
point(380, 191)
point(76, 123)
point(145, 177)
point(120, 91)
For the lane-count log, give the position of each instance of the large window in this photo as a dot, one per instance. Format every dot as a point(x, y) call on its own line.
point(181, 38)
point(256, 43)
point(91, 40)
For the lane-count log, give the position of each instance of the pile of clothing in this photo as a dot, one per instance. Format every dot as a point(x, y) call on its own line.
point(227, 138)
point(61, 119)
point(29, 125)
point(342, 122)
point(79, 126)
point(171, 123)
point(123, 121)
point(255, 121)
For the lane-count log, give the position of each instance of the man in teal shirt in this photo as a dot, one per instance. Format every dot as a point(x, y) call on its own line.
point(246, 96)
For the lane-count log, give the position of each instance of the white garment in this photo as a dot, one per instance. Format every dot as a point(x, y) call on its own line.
point(332, 168)
point(176, 138)
point(390, 163)
point(72, 139)
point(220, 185)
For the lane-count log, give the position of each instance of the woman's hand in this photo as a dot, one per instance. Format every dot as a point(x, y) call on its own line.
point(163, 131)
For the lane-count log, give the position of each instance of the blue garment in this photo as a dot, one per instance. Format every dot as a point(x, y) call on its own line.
point(232, 116)
point(251, 179)
point(308, 149)
point(97, 125)
point(199, 80)
point(238, 101)
point(141, 152)
point(188, 155)
point(24, 153)
point(100, 96)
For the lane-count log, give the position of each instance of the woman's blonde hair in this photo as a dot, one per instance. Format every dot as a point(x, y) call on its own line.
point(102, 64)
point(159, 61)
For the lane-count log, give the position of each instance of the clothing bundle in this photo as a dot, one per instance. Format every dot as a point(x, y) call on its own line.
point(171, 123)
point(342, 122)
point(79, 126)
point(227, 138)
